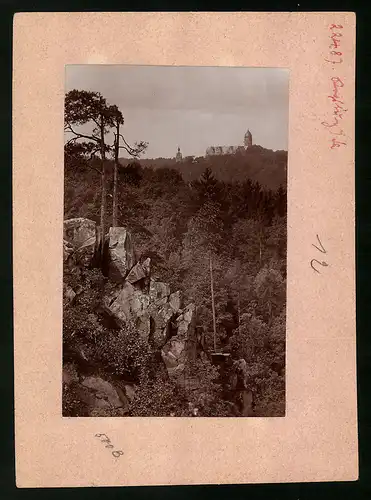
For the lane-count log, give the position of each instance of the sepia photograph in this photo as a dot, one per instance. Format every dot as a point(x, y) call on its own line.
point(174, 241)
point(183, 248)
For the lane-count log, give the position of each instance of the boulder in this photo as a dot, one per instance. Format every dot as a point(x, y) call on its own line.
point(143, 325)
point(99, 397)
point(161, 316)
point(129, 305)
point(146, 265)
point(130, 392)
point(153, 313)
point(139, 272)
point(67, 250)
point(68, 295)
point(153, 310)
point(119, 254)
point(186, 322)
point(79, 240)
point(159, 292)
point(104, 393)
point(181, 346)
point(174, 301)
point(239, 374)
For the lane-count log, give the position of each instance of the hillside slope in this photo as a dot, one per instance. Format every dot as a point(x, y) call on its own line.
point(258, 164)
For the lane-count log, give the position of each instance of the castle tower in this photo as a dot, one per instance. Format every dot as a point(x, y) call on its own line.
point(178, 156)
point(248, 139)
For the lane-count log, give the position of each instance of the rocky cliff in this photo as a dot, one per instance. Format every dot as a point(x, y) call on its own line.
point(136, 298)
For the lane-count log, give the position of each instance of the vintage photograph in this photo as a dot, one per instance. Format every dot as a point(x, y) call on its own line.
point(174, 241)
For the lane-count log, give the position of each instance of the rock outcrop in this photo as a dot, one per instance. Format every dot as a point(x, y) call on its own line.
point(180, 346)
point(103, 391)
point(128, 304)
point(79, 241)
point(67, 250)
point(156, 314)
point(68, 294)
point(139, 273)
point(137, 299)
point(159, 292)
point(148, 304)
point(99, 397)
point(119, 254)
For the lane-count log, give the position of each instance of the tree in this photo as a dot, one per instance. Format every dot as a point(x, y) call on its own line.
point(270, 290)
point(205, 235)
point(281, 201)
point(131, 174)
point(81, 108)
point(212, 298)
point(207, 187)
point(120, 143)
point(250, 335)
point(118, 120)
point(239, 284)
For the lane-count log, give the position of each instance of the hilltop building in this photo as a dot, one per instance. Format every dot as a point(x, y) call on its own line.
point(228, 150)
point(178, 156)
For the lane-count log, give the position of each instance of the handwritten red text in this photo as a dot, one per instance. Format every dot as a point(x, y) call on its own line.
point(333, 125)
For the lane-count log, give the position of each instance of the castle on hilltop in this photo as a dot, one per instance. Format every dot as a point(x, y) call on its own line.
point(228, 150)
point(223, 150)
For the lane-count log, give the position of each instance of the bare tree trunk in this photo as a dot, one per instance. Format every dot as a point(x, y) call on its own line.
point(103, 199)
point(114, 203)
point(239, 313)
point(212, 300)
point(115, 177)
point(103, 204)
point(269, 313)
point(260, 247)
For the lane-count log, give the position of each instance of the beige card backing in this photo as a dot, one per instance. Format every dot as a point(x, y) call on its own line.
point(317, 439)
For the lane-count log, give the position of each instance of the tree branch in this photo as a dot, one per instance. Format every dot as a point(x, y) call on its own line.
point(131, 153)
point(68, 128)
point(91, 157)
point(97, 123)
point(71, 140)
point(126, 144)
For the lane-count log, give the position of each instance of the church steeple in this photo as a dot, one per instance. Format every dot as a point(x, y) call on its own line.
point(179, 156)
point(248, 139)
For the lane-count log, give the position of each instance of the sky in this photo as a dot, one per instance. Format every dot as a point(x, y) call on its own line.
point(192, 107)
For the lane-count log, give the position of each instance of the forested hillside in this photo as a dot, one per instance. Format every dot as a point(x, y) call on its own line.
point(255, 163)
point(179, 225)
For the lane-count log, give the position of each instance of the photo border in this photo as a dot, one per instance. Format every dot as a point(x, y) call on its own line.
point(26, 206)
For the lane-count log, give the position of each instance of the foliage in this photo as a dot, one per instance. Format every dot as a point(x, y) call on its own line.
point(156, 398)
point(270, 291)
point(250, 336)
point(124, 352)
point(72, 406)
point(203, 390)
point(79, 321)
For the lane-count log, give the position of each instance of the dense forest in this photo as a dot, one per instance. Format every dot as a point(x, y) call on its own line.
point(196, 224)
point(256, 163)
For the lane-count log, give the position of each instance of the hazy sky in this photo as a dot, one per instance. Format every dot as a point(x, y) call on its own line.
point(192, 107)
